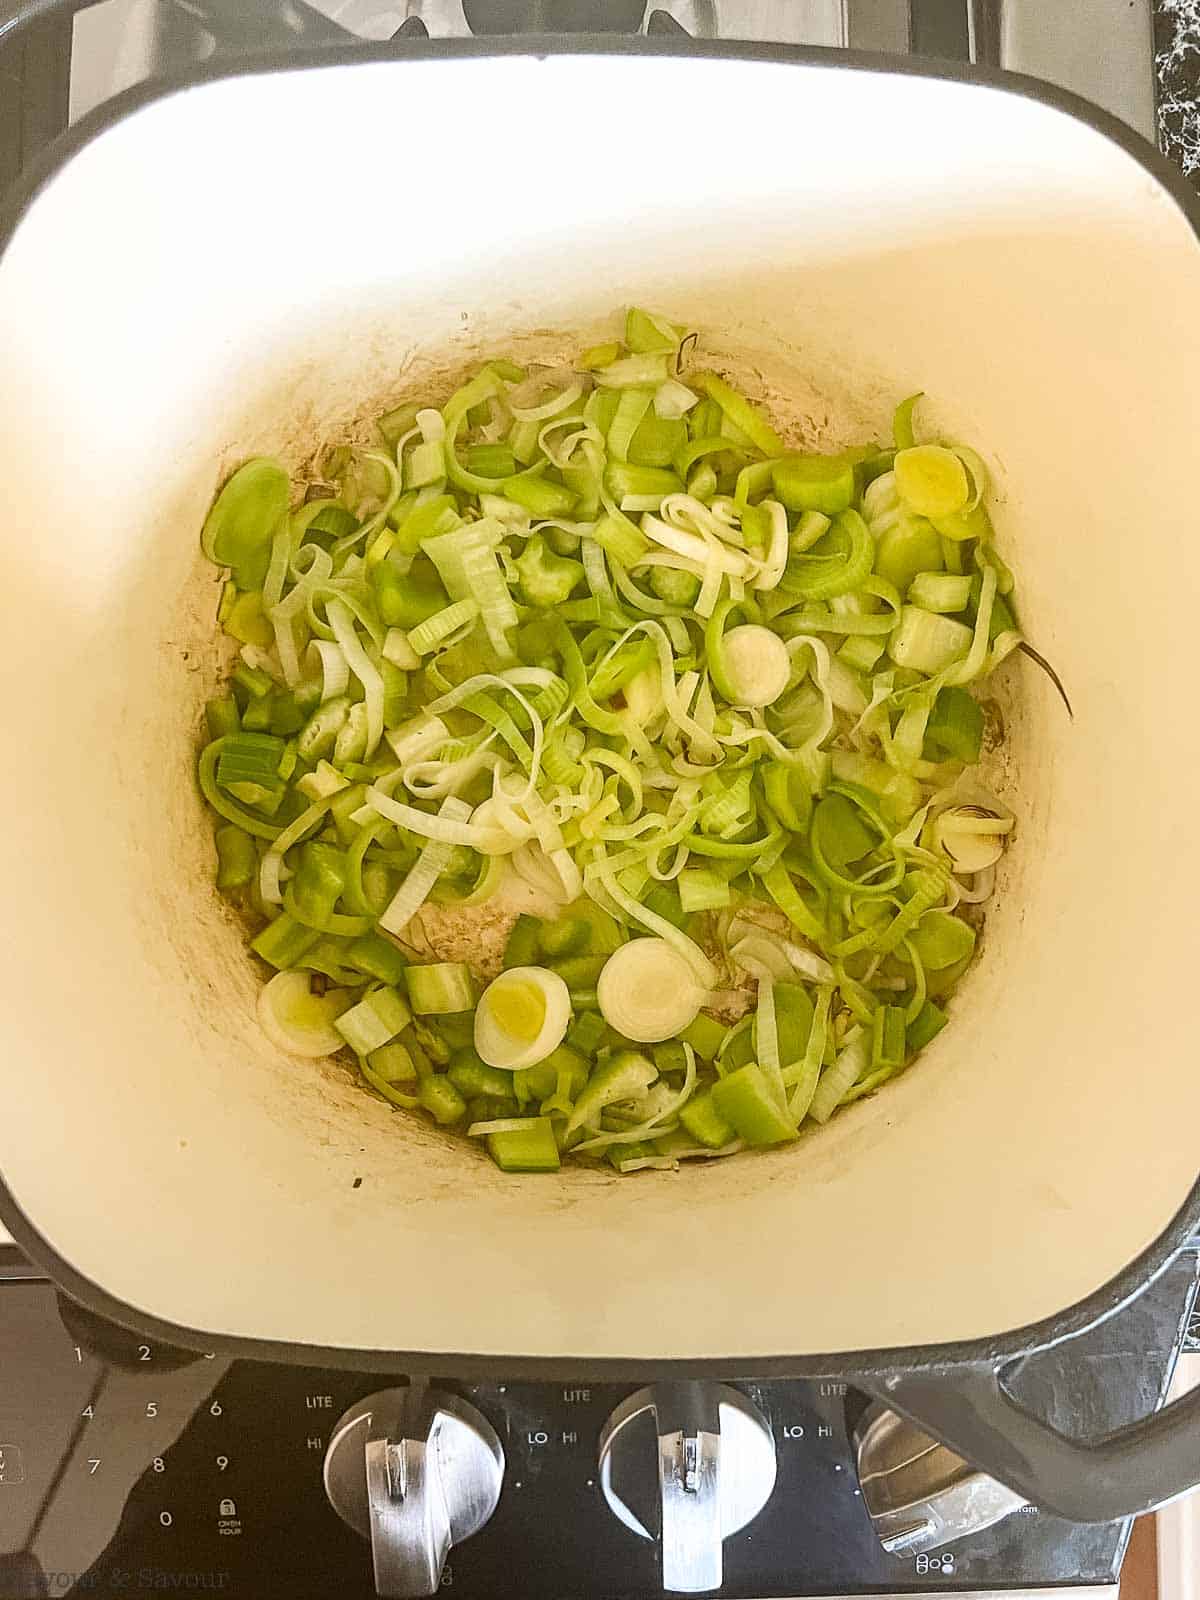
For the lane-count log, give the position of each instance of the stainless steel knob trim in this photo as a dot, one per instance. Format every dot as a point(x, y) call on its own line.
point(716, 1471)
point(921, 1496)
point(415, 1471)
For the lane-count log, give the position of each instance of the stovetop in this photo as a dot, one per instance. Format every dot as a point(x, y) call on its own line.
point(128, 1467)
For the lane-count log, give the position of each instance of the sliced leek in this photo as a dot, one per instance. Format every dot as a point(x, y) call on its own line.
point(597, 641)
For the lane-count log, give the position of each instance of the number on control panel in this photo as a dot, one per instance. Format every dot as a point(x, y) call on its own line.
point(151, 1408)
point(159, 1464)
point(222, 1463)
point(216, 1409)
point(143, 1352)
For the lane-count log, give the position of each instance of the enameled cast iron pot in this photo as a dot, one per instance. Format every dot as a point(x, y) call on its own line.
point(245, 260)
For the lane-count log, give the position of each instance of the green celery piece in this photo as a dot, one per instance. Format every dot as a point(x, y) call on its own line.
point(441, 1099)
point(703, 889)
point(223, 717)
point(318, 883)
point(406, 599)
point(394, 424)
point(789, 796)
point(374, 1021)
point(334, 521)
point(438, 515)
point(955, 724)
point(705, 1035)
point(861, 653)
point(259, 714)
point(494, 460)
point(241, 525)
point(625, 542)
point(284, 942)
point(524, 946)
point(328, 956)
point(942, 981)
point(925, 1026)
point(840, 832)
point(746, 418)
point(255, 682)
point(531, 1149)
point(705, 1123)
point(663, 900)
point(655, 441)
point(910, 546)
point(579, 972)
point(378, 958)
point(319, 735)
point(604, 936)
point(393, 1063)
point(747, 1100)
point(793, 1021)
point(1001, 620)
point(566, 936)
point(439, 987)
point(888, 1045)
point(648, 335)
point(616, 1154)
point(741, 1052)
point(626, 1075)
point(237, 858)
point(621, 479)
point(599, 355)
point(587, 1033)
point(940, 591)
point(247, 623)
point(488, 1107)
point(538, 1082)
point(675, 588)
point(547, 580)
point(473, 1077)
point(942, 940)
point(540, 498)
point(814, 483)
point(287, 717)
point(670, 1056)
point(927, 641)
point(622, 667)
point(457, 1030)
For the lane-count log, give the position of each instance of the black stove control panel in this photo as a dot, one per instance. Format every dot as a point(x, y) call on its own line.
point(130, 1468)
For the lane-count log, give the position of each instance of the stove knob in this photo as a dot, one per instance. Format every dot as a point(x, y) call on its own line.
point(921, 1495)
point(415, 1471)
point(690, 1463)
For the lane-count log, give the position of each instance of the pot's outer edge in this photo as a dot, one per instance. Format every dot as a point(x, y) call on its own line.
point(992, 1352)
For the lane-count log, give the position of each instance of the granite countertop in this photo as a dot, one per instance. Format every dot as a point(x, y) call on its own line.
point(1177, 70)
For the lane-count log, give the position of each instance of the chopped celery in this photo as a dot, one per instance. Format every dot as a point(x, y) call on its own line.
point(747, 1100)
point(955, 725)
point(443, 986)
point(814, 483)
point(374, 1021)
point(442, 1100)
point(705, 1035)
point(529, 1149)
point(705, 1123)
point(546, 579)
point(925, 1026)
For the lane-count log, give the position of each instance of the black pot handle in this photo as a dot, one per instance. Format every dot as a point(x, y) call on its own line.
point(1135, 1469)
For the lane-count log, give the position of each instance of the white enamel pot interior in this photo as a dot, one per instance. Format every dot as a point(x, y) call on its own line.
point(250, 263)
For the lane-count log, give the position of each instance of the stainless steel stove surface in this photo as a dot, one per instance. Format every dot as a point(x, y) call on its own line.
point(127, 1467)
